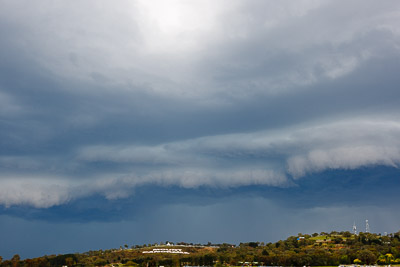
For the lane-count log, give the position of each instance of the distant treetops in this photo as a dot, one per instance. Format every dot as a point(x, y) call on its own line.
point(318, 249)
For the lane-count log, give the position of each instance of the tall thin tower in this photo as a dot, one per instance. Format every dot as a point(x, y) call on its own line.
point(354, 228)
point(366, 226)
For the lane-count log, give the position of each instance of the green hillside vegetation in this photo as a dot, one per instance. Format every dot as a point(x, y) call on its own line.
point(324, 249)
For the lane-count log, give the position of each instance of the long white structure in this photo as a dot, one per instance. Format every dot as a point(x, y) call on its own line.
point(166, 250)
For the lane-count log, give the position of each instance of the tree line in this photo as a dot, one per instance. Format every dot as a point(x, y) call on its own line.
point(318, 249)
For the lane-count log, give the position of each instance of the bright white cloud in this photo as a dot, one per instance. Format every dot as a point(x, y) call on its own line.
point(33, 191)
point(348, 157)
point(47, 192)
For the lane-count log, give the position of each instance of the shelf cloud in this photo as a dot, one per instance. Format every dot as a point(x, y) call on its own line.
point(101, 101)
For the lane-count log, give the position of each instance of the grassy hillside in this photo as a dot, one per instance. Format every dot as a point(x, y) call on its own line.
point(324, 249)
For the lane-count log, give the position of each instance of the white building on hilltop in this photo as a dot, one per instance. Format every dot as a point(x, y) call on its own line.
point(167, 250)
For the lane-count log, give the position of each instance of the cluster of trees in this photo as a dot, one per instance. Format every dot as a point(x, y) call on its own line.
point(323, 249)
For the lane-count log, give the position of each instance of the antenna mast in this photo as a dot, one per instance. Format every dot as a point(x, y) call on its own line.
point(366, 226)
point(354, 228)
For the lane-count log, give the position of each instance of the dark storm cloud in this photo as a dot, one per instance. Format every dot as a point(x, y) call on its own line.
point(107, 110)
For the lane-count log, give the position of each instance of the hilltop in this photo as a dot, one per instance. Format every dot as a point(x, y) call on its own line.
point(318, 249)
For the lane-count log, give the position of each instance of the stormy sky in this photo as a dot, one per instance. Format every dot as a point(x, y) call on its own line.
point(141, 121)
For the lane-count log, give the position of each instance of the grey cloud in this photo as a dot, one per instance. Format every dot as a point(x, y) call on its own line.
point(210, 161)
point(299, 51)
point(347, 144)
point(8, 107)
point(102, 94)
point(294, 52)
point(114, 115)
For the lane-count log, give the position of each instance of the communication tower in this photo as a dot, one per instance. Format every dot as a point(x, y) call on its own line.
point(354, 228)
point(366, 226)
